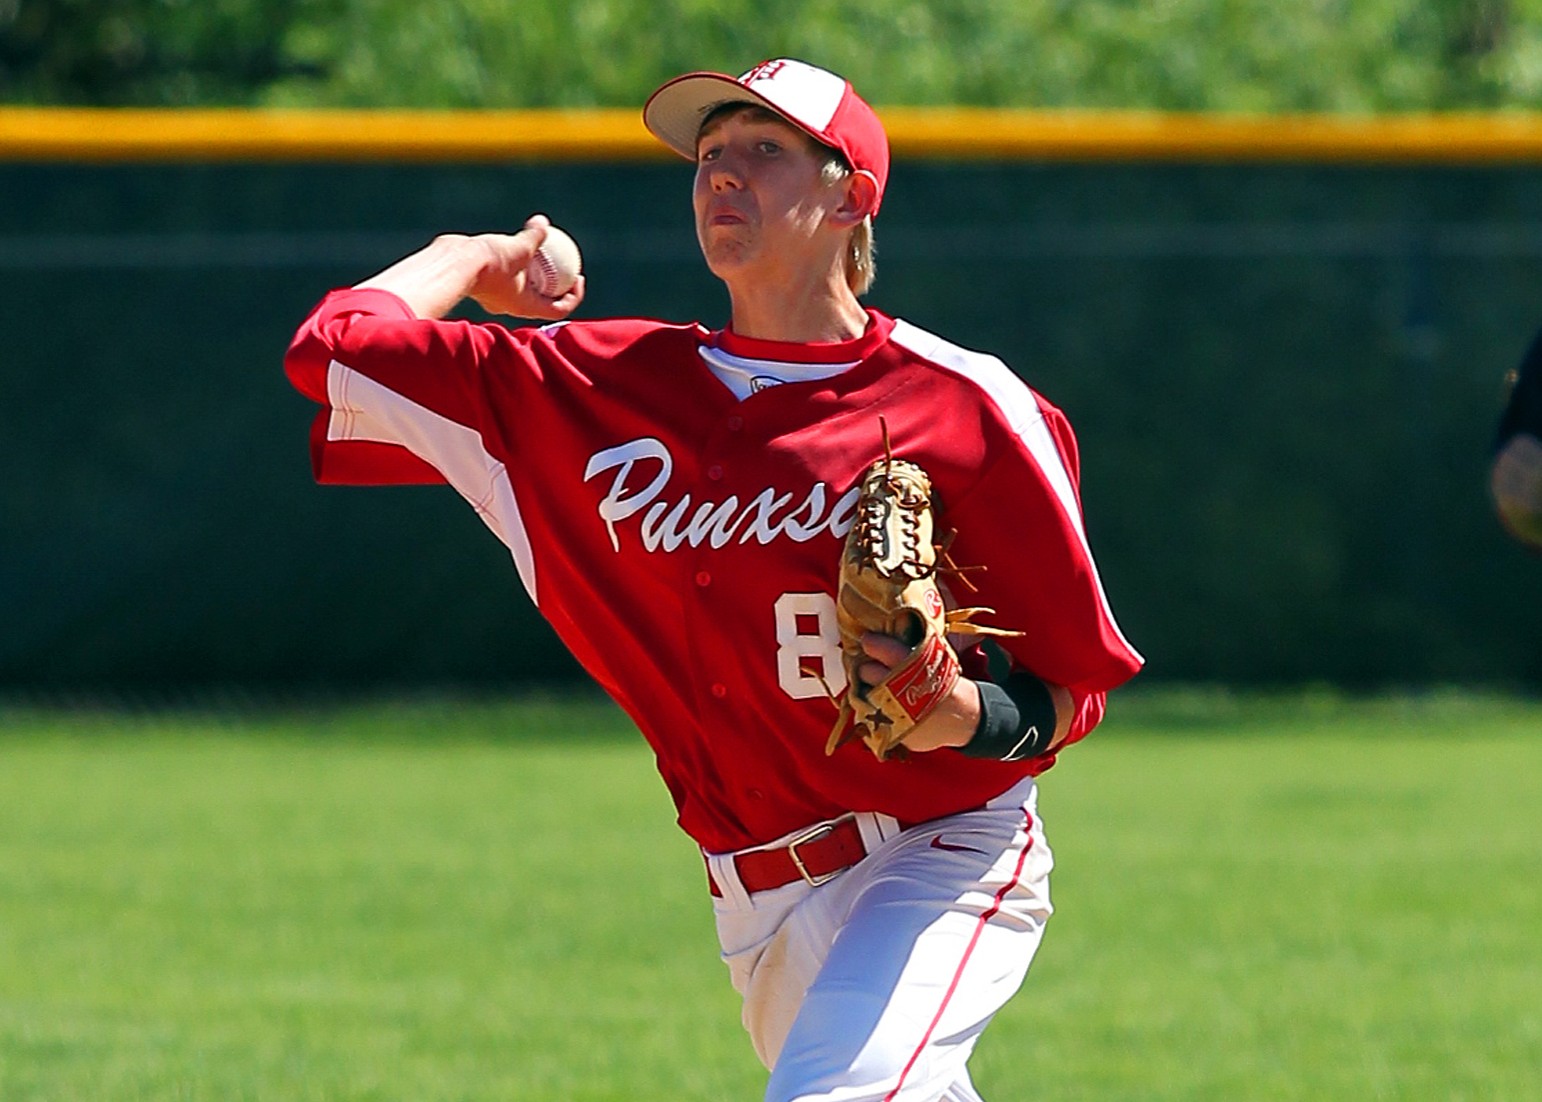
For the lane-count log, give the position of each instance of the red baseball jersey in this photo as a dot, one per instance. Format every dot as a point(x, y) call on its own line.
point(684, 542)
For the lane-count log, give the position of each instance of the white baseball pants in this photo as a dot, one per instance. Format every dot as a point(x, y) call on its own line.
point(874, 986)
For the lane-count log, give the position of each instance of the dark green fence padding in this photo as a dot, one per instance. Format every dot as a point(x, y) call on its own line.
point(1284, 379)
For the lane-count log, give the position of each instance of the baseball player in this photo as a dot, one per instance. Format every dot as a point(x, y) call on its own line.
point(1515, 474)
point(674, 498)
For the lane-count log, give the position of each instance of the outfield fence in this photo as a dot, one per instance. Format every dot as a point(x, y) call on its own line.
point(1282, 343)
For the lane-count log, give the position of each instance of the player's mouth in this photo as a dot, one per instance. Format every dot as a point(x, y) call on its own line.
point(726, 216)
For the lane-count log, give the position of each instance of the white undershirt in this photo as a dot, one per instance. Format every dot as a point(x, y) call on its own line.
point(744, 377)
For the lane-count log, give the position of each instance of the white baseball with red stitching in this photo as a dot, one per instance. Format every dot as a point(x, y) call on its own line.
point(555, 266)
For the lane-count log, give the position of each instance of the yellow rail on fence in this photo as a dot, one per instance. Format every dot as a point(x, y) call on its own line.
point(131, 134)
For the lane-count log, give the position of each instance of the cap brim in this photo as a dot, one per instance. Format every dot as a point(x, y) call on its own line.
point(675, 112)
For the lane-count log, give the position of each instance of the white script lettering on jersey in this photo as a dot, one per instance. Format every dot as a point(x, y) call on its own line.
point(669, 523)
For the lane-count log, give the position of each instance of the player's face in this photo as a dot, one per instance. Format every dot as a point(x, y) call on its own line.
point(761, 198)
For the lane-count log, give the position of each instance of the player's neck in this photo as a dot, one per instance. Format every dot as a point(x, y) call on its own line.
point(776, 311)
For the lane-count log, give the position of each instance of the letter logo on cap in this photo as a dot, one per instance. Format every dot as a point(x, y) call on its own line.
point(764, 71)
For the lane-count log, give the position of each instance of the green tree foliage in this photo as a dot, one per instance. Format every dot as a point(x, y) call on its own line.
point(147, 52)
point(1256, 55)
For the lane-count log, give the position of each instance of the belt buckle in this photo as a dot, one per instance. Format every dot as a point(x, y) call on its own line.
point(812, 834)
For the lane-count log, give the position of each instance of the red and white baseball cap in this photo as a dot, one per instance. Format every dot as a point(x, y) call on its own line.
point(818, 102)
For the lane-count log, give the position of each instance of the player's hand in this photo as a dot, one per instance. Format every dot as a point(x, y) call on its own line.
point(951, 723)
point(501, 288)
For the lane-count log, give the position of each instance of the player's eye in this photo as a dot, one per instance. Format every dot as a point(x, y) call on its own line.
point(708, 153)
point(769, 147)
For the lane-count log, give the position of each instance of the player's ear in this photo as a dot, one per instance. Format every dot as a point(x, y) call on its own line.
point(859, 197)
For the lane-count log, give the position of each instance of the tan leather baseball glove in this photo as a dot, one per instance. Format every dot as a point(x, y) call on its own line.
point(889, 583)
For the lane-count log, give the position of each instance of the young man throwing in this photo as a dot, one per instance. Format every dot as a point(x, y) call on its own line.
point(675, 499)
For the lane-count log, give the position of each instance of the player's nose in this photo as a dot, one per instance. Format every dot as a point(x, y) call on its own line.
point(726, 171)
point(725, 179)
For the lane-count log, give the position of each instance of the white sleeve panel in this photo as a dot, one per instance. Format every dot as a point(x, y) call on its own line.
point(364, 410)
point(1021, 411)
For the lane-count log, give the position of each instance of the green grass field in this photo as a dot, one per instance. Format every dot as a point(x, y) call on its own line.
point(1288, 897)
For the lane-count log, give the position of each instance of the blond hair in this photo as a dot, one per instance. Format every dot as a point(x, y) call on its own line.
point(862, 256)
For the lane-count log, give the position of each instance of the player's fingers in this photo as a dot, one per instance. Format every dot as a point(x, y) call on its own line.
point(1516, 482)
point(537, 224)
point(568, 301)
point(872, 673)
point(553, 309)
point(510, 252)
point(885, 648)
point(514, 250)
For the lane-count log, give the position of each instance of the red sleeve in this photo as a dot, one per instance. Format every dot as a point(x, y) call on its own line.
point(358, 336)
point(1088, 714)
point(325, 334)
point(1023, 521)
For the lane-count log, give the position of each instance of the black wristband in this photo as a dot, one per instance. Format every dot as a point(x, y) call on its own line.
point(1017, 720)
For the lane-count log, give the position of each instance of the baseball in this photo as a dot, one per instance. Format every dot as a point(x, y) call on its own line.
point(555, 266)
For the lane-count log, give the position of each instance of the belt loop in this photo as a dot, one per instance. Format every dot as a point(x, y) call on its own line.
point(1023, 794)
point(876, 828)
point(725, 874)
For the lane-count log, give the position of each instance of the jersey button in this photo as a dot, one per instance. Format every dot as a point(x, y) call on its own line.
point(715, 472)
point(735, 423)
point(720, 690)
point(703, 579)
point(755, 794)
